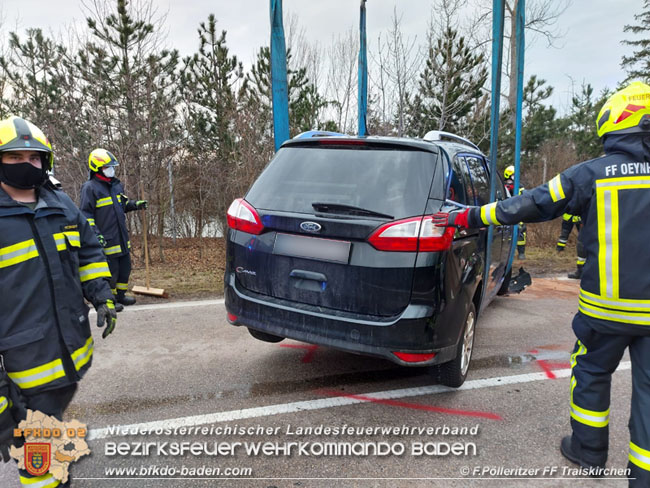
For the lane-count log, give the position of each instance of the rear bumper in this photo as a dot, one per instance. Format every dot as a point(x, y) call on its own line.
point(412, 331)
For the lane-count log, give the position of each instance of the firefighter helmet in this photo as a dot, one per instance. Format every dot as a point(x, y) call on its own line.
point(101, 158)
point(509, 172)
point(17, 134)
point(626, 111)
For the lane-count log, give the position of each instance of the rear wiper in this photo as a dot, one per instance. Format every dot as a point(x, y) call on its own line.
point(341, 208)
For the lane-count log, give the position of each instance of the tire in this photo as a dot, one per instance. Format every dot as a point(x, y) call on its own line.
point(263, 336)
point(506, 283)
point(454, 372)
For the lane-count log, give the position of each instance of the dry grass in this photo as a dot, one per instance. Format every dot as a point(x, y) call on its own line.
point(541, 255)
point(191, 269)
point(544, 261)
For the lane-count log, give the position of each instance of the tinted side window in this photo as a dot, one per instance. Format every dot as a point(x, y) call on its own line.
point(501, 191)
point(469, 188)
point(456, 191)
point(480, 179)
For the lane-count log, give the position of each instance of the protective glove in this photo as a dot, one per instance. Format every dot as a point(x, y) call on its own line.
point(4, 451)
point(7, 419)
point(106, 315)
point(451, 219)
point(7, 426)
point(141, 205)
point(102, 241)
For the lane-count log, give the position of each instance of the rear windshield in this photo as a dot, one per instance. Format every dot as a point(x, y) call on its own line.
point(390, 181)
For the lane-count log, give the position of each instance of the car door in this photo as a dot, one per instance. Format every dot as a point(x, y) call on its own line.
point(480, 180)
point(506, 230)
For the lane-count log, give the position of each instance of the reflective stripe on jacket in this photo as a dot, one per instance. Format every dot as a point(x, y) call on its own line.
point(104, 205)
point(612, 194)
point(49, 261)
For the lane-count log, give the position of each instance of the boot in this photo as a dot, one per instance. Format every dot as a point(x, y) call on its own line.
point(118, 306)
point(125, 300)
point(577, 274)
point(521, 252)
point(566, 448)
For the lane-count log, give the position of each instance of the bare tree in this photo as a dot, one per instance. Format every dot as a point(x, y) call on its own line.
point(542, 22)
point(304, 54)
point(452, 81)
point(399, 60)
point(342, 80)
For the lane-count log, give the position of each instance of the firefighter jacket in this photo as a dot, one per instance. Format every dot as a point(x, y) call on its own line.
point(612, 195)
point(104, 205)
point(49, 261)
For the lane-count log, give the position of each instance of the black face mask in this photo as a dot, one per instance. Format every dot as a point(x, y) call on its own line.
point(24, 176)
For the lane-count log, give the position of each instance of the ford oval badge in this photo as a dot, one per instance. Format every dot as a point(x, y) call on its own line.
point(310, 227)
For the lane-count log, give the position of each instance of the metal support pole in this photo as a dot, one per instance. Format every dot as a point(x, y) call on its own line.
point(520, 42)
point(498, 11)
point(279, 86)
point(363, 73)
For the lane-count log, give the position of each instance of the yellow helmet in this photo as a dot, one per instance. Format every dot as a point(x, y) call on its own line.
point(100, 158)
point(509, 172)
point(626, 111)
point(17, 134)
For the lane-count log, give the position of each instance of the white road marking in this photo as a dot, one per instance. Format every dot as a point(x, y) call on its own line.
point(293, 407)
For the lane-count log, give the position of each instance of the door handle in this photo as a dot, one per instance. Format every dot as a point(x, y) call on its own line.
point(307, 275)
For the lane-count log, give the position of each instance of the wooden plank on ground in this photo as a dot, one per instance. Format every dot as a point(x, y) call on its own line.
point(145, 290)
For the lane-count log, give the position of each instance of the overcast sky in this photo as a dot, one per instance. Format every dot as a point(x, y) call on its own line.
point(590, 51)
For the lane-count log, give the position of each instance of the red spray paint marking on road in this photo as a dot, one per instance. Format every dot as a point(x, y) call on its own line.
point(309, 355)
point(546, 368)
point(558, 365)
point(415, 406)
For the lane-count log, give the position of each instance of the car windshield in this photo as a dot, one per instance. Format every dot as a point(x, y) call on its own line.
point(391, 181)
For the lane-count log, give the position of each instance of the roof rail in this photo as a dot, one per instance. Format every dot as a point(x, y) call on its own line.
point(438, 135)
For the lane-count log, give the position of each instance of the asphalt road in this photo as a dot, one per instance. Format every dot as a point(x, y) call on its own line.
point(180, 365)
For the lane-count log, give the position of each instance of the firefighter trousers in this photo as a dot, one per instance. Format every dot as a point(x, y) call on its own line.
point(120, 268)
point(595, 357)
point(54, 403)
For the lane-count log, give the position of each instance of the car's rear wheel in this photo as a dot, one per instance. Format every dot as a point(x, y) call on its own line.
point(454, 372)
point(263, 336)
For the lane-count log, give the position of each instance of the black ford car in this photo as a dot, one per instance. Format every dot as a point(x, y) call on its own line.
point(333, 245)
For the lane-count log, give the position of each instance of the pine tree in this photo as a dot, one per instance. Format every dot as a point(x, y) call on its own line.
point(43, 87)
point(208, 87)
point(130, 85)
point(208, 80)
point(305, 103)
point(637, 65)
point(582, 122)
point(539, 124)
point(449, 87)
point(130, 80)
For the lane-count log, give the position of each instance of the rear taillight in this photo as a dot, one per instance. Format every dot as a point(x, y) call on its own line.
point(408, 357)
point(231, 318)
point(411, 235)
point(242, 216)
